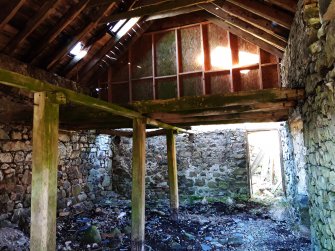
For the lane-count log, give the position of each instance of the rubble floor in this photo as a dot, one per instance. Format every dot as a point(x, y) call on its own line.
point(201, 226)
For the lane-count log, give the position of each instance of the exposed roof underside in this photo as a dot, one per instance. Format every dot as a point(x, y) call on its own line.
point(42, 33)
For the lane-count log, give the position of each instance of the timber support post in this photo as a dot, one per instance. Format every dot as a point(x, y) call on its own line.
point(44, 172)
point(138, 186)
point(173, 174)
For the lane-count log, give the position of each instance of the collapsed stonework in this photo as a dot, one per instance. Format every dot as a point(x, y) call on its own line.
point(309, 62)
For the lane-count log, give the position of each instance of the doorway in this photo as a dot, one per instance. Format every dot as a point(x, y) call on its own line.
point(265, 165)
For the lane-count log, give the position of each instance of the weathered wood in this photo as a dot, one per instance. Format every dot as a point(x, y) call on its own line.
point(173, 174)
point(154, 9)
point(215, 101)
point(88, 28)
point(32, 24)
point(247, 36)
point(56, 30)
point(266, 11)
point(138, 186)
point(34, 85)
point(167, 14)
point(13, 8)
point(246, 27)
point(330, 13)
point(129, 134)
point(44, 174)
point(290, 5)
point(253, 19)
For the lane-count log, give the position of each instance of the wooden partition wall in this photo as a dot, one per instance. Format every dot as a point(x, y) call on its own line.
point(195, 60)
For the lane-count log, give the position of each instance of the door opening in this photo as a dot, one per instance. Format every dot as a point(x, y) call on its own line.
point(265, 169)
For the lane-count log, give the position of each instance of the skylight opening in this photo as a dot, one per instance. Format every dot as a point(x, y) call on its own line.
point(118, 25)
point(127, 27)
point(78, 51)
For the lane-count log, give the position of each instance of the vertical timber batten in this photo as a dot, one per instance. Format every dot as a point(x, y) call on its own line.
point(44, 177)
point(173, 175)
point(138, 185)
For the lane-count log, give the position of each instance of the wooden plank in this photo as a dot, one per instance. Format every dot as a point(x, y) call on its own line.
point(215, 101)
point(68, 18)
point(13, 8)
point(244, 26)
point(266, 11)
point(138, 186)
point(253, 19)
point(173, 174)
point(154, 9)
point(44, 174)
point(88, 28)
point(129, 134)
point(30, 27)
point(247, 36)
point(17, 80)
point(290, 5)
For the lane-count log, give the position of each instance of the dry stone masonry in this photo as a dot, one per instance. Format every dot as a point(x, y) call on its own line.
point(83, 172)
point(313, 68)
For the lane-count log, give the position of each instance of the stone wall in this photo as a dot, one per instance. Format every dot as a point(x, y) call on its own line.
point(309, 62)
point(209, 164)
point(83, 172)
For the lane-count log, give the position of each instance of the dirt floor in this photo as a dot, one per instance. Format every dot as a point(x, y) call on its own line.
point(201, 226)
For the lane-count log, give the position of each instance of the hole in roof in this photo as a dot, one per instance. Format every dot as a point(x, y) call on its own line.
point(122, 26)
point(78, 51)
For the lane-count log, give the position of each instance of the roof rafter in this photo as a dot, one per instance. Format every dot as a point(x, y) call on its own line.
point(154, 9)
point(13, 9)
point(92, 24)
point(268, 12)
point(30, 26)
point(290, 5)
point(247, 36)
point(259, 33)
point(56, 30)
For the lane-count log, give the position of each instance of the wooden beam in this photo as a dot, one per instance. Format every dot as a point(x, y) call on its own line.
point(44, 173)
point(246, 27)
point(30, 27)
point(247, 36)
point(17, 80)
point(173, 174)
point(167, 14)
point(129, 134)
point(216, 101)
point(154, 9)
point(266, 11)
point(251, 18)
point(68, 18)
point(290, 5)
point(88, 28)
point(138, 186)
point(330, 13)
point(13, 8)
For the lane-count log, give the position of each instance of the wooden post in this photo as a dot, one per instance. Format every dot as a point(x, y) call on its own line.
point(44, 177)
point(173, 175)
point(138, 186)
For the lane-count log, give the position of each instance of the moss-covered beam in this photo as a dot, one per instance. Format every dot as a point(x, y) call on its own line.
point(44, 175)
point(34, 85)
point(217, 101)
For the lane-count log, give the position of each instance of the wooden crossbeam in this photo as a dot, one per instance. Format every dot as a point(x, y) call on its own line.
point(266, 11)
point(13, 8)
point(174, 13)
point(68, 18)
point(246, 27)
point(290, 5)
point(17, 80)
point(30, 27)
point(216, 101)
point(154, 9)
point(88, 28)
point(247, 36)
point(129, 134)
